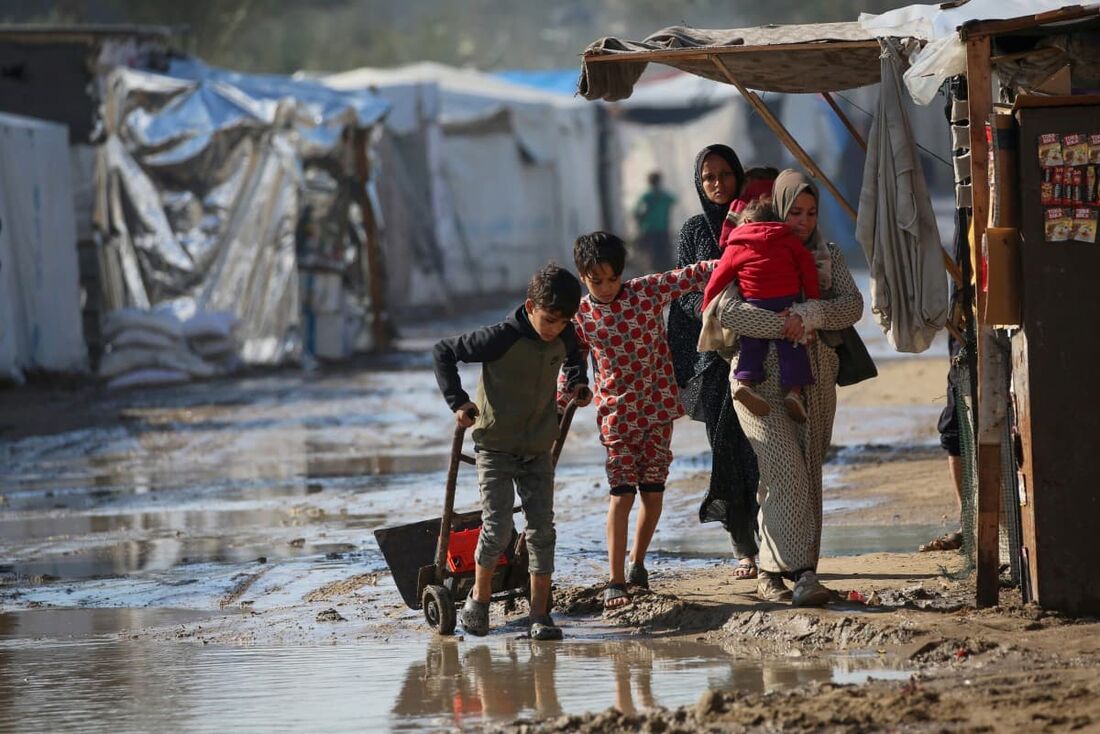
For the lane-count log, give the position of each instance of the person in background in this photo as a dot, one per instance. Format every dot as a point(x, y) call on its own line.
point(651, 214)
point(703, 377)
point(948, 427)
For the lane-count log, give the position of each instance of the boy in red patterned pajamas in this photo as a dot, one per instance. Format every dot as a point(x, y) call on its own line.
point(622, 324)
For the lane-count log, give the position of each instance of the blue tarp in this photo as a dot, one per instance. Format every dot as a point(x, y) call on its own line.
point(558, 81)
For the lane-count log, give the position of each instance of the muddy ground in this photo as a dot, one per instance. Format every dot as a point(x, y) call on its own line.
point(303, 573)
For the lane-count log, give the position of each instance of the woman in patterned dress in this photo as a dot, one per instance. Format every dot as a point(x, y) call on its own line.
point(789, 455)
point(703, 377)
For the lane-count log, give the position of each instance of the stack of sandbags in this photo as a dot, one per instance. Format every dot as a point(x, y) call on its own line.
point(146, 348)
point(212, 336)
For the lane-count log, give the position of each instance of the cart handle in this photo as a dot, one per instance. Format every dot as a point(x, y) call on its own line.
point(566, 421)
point(449, 499)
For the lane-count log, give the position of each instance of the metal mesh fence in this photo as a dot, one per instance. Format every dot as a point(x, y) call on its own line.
point(969, 456)
point(1010, 536)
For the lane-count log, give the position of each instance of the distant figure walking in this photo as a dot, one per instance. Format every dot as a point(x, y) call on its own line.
point(651, 214)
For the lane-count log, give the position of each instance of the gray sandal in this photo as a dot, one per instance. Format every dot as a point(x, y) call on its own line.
point(613, 592)
point(637, 575)
point(475, 617)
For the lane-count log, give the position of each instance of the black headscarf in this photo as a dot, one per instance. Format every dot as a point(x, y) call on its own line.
point(715, 213)
point(699, 241)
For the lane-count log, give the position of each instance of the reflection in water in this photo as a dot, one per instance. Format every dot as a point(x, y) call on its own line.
point(461, 684)
point(74, 623)
point(103, 685)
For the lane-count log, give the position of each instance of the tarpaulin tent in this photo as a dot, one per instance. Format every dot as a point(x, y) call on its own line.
point(212, 185)
point(40, 327)
point(517, 175)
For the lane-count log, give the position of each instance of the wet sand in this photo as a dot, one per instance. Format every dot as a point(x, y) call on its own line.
point(243, 509)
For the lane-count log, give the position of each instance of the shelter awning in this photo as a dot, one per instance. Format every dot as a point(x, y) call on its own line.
point(811, 58)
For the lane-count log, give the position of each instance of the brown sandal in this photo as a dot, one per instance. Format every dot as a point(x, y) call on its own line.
point(746, 569)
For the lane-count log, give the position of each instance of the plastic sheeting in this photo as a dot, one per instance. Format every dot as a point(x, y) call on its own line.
point(40, 321)
point(210, 183)
point(944, 56)
point(508, 175)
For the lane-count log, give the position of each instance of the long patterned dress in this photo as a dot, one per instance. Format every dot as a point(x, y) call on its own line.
point(790, 456)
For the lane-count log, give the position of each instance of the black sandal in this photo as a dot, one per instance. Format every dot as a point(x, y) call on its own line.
point(613, 592)
point(637, 575)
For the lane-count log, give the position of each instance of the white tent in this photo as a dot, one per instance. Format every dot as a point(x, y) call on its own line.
point(40, 319)
point(513, 182)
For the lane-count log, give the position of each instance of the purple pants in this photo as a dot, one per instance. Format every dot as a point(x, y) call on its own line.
point(794, 362)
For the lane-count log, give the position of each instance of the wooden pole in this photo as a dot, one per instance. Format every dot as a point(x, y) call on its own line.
point(379, 329)
point(784, 136)
point(991, 366)
point(844, 119)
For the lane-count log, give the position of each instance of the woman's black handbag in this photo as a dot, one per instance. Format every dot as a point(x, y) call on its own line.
point(856, 364)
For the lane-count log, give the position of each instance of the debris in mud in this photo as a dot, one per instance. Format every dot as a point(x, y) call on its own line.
point(340, 588)
point(648, 609)
point(918, 597)
point(330, 615)
point(297, 543)
point(308, 511)
point(942, 651)
point(244, 582)
point(811, 631)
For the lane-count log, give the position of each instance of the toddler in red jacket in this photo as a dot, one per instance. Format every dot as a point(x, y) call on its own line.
point(773, 269)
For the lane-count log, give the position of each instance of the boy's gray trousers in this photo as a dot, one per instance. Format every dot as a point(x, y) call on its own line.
point(500, 476)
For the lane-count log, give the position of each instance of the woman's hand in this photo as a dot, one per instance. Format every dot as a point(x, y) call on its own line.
point(793, 328)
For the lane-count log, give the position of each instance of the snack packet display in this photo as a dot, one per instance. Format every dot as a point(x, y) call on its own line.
point(1050, 150)
point(1084, 225)
point(1075, 149)
point(1059, 225)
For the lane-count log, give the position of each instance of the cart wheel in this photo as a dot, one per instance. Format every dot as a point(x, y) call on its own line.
point(439, 609)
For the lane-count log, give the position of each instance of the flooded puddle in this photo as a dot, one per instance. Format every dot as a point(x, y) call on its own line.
point(402, 685)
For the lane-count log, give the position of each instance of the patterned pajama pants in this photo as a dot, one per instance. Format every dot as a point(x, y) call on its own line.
point(637, 455)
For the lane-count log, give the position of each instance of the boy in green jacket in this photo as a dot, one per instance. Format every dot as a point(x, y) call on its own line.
point(517, 422)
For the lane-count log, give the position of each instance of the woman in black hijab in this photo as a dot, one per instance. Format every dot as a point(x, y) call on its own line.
point(703, 377)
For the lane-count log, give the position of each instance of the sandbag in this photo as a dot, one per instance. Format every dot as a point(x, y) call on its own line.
point(149, 378)
point(131, 318)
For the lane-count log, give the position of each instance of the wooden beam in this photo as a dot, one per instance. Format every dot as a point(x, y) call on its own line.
point(784, 136)
point(705, 52)
point(990, 365)
point(978, 28)
point(844, 119)
point(373, 254)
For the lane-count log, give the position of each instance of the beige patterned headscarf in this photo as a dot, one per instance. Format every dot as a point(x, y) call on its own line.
point(788, 185)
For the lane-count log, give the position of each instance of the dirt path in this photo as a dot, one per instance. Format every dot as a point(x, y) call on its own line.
point(1009, 668)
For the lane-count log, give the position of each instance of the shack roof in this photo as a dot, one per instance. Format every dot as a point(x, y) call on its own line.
point(815, 57)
